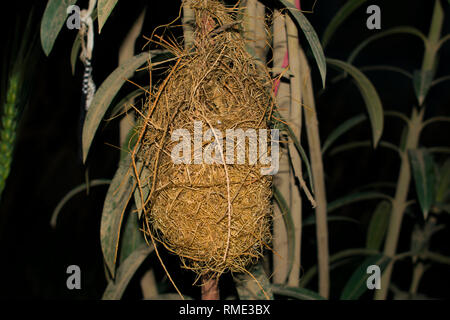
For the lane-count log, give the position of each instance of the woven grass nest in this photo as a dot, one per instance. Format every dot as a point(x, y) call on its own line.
point(215, 217)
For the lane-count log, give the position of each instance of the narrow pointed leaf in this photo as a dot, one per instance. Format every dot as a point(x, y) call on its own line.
point(343, 128)
point(145, 189)
point(52, 21)
point(423, 171)
point(71, 194)
point(311, 37)
point(297, 145)
point(396, 30)
point(76, 47)
point(357, 284)
point(378, 225)
point(443, 187)
point(125, 273)
point(105, 7)
point(105, 95)
point(358, 144)
point(370, 96)
point(311, 220)
point(355, 197)
point(131, 238)
point(422, 80)
point(122, 106)
point(347, 9)
point(296, 293)
point(116, 201)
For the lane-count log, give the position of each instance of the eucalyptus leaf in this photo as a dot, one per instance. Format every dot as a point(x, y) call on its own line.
point(311, 220)
point(105, 7)
point(346, 10)
point(355, 197)
point(283, 126)
point(369, 94)
point(443, 186)
point(52, 21)
point(423, 171)
point(395, 30)
point(104, 96)
point(71, 194)
point(422, 80)
point(116, 201)
point(311, 37)
point(378, 225)
point(357, 284)
point(76, 47)
point(341, 129)
point(131, 238)
point(125, 273)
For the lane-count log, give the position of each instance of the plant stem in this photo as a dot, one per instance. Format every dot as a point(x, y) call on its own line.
point(282, 178)
point(418, 272)
point(415, 126)
point(433, 37)
point(400, 199)
point(312, 130)
point(295, 120)
point(210, 288)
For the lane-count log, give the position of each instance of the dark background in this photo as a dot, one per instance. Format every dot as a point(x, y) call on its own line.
point(34, 257)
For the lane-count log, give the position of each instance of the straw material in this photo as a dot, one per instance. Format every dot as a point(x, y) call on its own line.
point(215, 217)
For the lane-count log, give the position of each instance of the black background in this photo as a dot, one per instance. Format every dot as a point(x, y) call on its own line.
point(34, 257)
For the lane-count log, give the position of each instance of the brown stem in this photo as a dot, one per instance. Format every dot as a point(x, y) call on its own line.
point(210, 288)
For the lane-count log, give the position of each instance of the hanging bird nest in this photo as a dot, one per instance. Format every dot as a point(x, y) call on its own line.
point(214, 215)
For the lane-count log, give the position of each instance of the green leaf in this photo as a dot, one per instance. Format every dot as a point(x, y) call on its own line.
point(130, 142)
point(357, 284)
point(443, 185)
point(52, 21)
point(311, 220)
point(338, 259)
point(423, 171)
point(76, 47)
point(358, 144)
point(347, 9)
point(249, 289)
point(396, 30)
point(370, 96)
point(145, 188)
point(105, 95)
point(311, 36)
point(125, 272)
point(422, 80)
point(116, 201)
point(355, 197)
point(131, 237)
point(289, 223)
point(121, 105)
point(105, 7)
point(297, 145)
point(343, 128)
point(72, 193)
point(296, 293)
point(378, 225)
